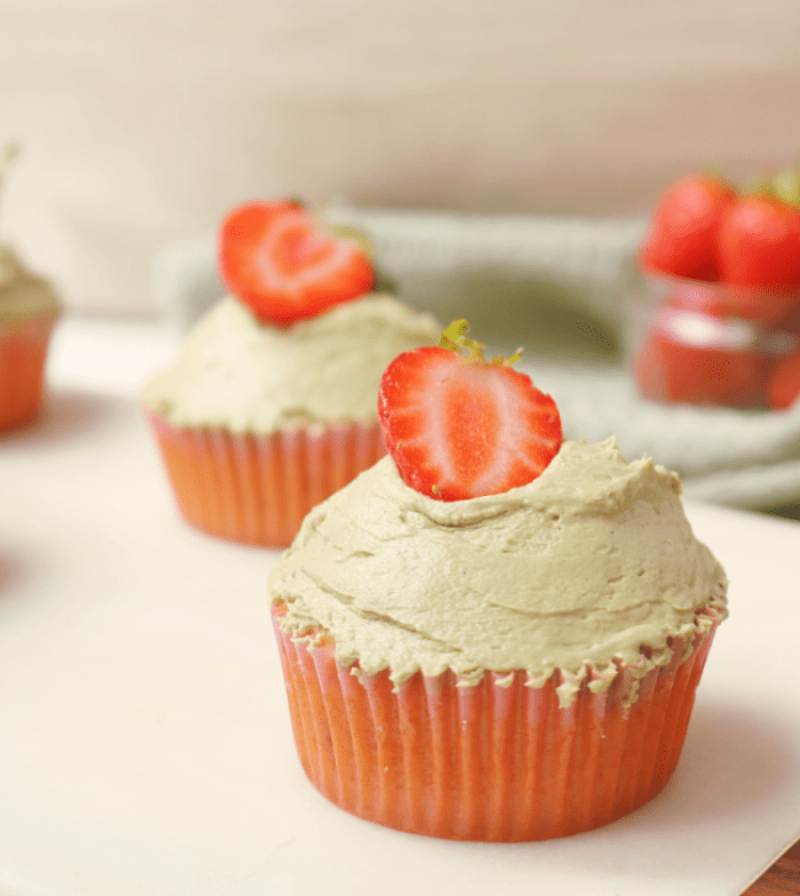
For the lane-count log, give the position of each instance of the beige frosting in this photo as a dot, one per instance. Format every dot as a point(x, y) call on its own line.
point(246, 376)
point(23, 295)
point(587, 563)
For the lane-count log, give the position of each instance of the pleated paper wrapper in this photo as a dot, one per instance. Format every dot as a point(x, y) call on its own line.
point(257, 489)
point(23, 354)
point(499, 760)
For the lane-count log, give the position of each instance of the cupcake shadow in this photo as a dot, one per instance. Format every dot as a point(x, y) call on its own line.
point(13, 569)
point(24, 579)
point(66, 414)
point(734, 762)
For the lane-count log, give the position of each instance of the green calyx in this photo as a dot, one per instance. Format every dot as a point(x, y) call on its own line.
point(341, 230)
point(783, 185)
point(384, 282)
point(786, 186)
point(455, 339)
point(354, 235)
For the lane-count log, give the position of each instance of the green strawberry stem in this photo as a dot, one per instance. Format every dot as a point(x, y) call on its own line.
point(455, 339)
point(786, 186)
point(783, 185)
point(384, 282)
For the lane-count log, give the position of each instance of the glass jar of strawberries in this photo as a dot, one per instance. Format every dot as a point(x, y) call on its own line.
point(716, 316)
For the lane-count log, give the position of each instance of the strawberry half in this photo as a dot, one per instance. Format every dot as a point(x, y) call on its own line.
point(281, 261)
point(460, 426)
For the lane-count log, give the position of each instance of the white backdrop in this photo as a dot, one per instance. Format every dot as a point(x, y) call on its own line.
point(142, 121)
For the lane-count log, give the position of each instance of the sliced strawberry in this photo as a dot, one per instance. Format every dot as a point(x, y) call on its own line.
point(694, 358)
point(280, 260)
point(683, 228)
point(783, 389)
point(759, 243)
point(461, 427)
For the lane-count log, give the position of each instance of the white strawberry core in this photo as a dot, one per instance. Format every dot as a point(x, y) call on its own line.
point(479, 423)
point(298, 254)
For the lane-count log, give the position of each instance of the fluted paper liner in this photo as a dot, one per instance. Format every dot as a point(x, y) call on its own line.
point(257, 489)
point(497, 761)
point(23, 353)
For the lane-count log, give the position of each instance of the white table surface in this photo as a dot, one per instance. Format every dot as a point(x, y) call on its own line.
point(145, 745)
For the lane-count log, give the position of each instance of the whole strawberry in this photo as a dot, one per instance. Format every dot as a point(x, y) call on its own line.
point(459, 426)
point(759, 242)
point(280, 260)
point(682, 237)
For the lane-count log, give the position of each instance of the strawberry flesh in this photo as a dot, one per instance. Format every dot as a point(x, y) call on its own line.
point(280, 261)
point(461, 428)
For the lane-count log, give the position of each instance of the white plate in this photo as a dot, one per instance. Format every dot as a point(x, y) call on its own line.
point(145, 745)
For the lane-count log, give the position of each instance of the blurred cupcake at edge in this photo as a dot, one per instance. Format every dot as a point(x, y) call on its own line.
point(28, 310)
point(271, 405)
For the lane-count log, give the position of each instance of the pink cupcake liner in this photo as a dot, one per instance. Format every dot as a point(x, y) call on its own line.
point(490, 761)
point(258, 489)
point(23, 353)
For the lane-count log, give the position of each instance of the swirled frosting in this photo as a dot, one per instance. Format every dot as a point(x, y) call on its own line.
point(246, 376)
point(585, 565)
point(23, 295)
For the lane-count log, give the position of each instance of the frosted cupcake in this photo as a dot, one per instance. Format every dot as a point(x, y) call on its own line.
point(493, 634)
point(271, 405)
point(28, 311)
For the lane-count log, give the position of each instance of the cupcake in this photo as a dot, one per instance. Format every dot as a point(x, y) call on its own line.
point(494, 633)
point(271, 405)
point(28, 311)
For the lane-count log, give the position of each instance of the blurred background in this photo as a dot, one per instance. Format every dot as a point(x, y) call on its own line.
point(142, 121)
point(504, 156)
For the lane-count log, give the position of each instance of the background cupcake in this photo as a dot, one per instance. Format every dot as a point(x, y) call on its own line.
point(271, 405)
point(28, 311)
point(491, 634)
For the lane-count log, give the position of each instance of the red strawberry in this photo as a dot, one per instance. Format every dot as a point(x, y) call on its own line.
point(783, 389)
point(761, 305)
point(280, 261)
point(683, 228)
point(759, 243)
point(461, 427)
point(688, 357)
